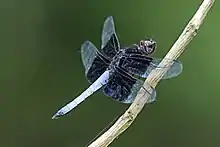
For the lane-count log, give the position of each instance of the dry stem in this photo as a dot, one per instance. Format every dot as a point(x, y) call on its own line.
point(154, 77)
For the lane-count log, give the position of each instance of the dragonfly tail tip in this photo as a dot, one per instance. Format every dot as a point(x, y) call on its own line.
point(55, 117)
point(58, 115)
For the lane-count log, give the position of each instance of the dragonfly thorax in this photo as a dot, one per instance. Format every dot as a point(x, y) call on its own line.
point(130, 59)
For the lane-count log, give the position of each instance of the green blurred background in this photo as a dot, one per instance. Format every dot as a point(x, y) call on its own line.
point(41, 70)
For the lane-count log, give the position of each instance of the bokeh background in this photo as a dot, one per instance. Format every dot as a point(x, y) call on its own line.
point(41, 70)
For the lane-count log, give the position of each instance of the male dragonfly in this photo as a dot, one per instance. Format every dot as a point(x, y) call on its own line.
point(121, 71)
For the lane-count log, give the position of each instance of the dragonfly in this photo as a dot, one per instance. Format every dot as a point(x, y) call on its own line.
point(119, 71)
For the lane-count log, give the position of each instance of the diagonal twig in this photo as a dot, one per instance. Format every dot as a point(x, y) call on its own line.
point(154, 77)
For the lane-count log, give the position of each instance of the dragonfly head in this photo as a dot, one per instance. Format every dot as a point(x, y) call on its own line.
point(148, 46)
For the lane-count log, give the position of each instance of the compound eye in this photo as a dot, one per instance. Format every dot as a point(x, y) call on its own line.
point(142, 43)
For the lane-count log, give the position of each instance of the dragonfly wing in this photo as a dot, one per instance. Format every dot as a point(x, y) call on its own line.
point(95, 63)
point(88, 54)
point(142, 65)
point(110, 44)
point(111, 48)
point(175, 69)
point(124, 88)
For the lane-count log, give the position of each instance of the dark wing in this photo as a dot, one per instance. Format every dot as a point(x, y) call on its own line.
point(110, 44)
point(95, 63)
point(123, 87)
point(142, 65)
